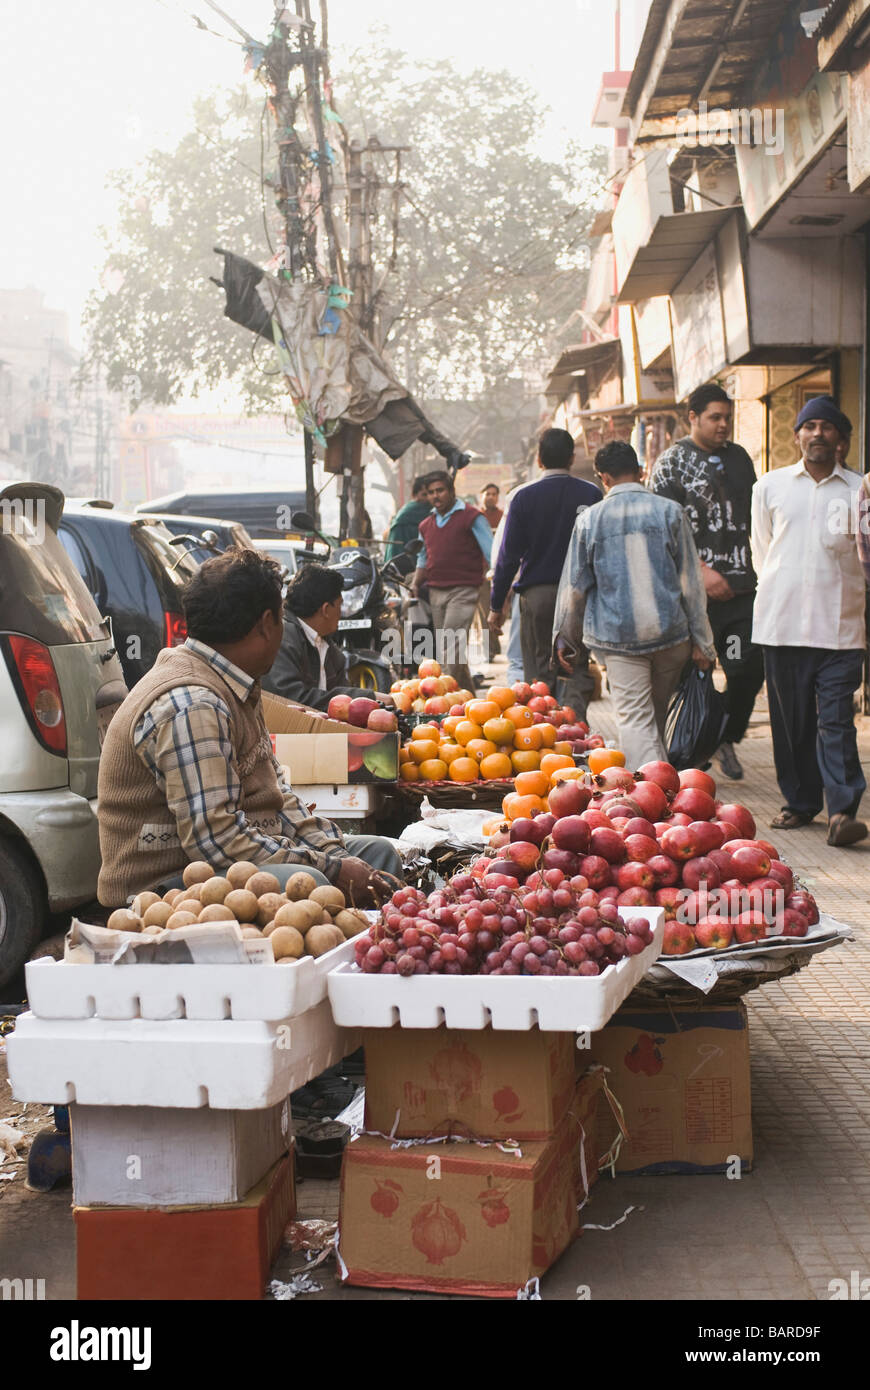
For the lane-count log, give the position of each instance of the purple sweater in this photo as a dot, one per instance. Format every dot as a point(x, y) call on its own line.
point(540, 523)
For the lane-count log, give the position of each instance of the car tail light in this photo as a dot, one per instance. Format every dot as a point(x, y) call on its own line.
point(176, 630)
point(40, 691)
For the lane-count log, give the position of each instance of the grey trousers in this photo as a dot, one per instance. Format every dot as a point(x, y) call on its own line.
point(377, 852)
point(641, 687)
point(453, 613)
point(537, 608)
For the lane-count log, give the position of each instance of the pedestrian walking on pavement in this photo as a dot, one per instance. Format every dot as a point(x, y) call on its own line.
point(632, 592)
point(540, 520)
point(405, 526)
point(810, 622)
point(712, 478)
point(494, 516)
point(457, 546)
point(489, 505)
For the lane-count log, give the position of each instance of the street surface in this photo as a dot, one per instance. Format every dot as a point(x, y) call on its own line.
point(800, 1219)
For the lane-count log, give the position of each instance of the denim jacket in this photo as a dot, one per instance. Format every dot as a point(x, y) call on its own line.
point(633, 577)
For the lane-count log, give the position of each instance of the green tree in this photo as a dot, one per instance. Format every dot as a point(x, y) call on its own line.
point(491, 238)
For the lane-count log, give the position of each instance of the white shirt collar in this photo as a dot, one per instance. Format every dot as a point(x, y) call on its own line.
point(314, 637)
point(839, 472)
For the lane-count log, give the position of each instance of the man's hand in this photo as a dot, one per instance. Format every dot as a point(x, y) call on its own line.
point(495, 621)
point(362, 885)
point(716, 585)
point(702, 662)
point(565, 656)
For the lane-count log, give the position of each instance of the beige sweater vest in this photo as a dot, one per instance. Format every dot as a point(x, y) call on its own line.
point(139, 841)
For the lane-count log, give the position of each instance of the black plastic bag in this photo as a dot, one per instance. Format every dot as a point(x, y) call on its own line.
point(696, 720)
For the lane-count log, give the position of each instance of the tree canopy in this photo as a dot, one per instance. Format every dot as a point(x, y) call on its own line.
point(491, 245)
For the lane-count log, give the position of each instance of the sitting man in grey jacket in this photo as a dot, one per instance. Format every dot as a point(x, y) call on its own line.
point(310, 669)
point(633, 593)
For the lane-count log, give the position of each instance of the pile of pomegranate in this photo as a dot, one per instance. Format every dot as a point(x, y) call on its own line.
point(658, 838)
point(477, 926)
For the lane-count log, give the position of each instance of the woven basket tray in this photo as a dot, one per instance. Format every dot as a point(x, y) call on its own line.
point(457, 796)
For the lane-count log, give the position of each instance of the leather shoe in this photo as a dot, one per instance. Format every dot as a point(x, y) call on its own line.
point(843, 830)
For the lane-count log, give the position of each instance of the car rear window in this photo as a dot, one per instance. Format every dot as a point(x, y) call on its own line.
point(173, 565)
point(41, 594)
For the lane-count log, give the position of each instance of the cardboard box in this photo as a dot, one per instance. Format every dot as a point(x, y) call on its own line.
point(220, 1253)
point(479, 1082)
point(320, 751)
point(140, 1156)
point(681, 1075)
point(461, 1218)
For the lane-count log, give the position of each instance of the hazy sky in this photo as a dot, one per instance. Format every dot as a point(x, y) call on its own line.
point(92, 85)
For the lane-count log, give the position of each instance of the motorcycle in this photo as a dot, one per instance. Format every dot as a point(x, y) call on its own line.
point(370, 630)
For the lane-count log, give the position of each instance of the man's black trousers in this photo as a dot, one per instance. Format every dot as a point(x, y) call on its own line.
point(740, 659)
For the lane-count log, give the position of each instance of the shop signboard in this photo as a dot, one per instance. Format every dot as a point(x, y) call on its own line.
point(698, 325)
point(859, 129)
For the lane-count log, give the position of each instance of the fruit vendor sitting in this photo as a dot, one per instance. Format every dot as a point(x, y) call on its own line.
point(309, 668)
point(187, 770)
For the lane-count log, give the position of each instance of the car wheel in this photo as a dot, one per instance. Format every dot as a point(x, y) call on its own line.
point(22, 909)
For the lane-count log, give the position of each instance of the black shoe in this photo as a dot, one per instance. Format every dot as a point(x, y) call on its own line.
point(729, 762)
point(843, 830)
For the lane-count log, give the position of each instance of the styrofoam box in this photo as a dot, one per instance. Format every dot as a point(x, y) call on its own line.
point(145, 1156)
point(245, 993)
point(181, 1063)
point(555, 1004)
point(356, 800)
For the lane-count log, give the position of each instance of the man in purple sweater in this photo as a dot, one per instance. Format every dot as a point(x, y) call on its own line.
point(540, 523)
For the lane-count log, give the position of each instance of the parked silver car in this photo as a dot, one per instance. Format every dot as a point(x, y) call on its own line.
point(60, 683)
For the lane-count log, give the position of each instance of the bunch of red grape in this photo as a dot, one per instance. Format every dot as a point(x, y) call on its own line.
point(465, 928)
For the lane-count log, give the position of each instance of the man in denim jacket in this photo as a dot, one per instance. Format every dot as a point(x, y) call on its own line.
point(632, 592)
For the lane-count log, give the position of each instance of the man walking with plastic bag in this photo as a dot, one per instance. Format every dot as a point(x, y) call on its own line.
point(632, 592)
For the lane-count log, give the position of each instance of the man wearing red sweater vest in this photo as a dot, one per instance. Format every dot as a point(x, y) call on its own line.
point(457, 542)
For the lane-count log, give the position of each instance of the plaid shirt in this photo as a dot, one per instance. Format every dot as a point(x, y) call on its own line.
point(184, 739)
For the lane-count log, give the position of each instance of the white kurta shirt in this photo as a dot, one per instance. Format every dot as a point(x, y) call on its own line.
point(811, 590)
point(321, 646)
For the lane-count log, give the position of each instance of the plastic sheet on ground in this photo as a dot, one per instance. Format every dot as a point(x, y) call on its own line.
point(460, 830)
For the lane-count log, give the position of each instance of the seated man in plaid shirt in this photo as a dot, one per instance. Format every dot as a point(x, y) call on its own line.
point(187, 770)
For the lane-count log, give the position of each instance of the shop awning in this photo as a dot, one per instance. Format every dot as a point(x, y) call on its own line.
point(675, 244)
point(576, 361)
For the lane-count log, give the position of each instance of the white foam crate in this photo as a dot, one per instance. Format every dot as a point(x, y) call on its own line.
point(353, 799)
point(246, 993)
point(555, 1004)
point(180, 1063)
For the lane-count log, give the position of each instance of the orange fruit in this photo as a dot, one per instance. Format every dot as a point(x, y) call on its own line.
point(532, 784)
point(481, 710)
point(435, 770)
point(451, 724)
point(480, 748)
point(499, 730)
point(409, 772)
point(600, 758)
point(422, 750)
point(464, 770)
point(551, 762)
point(502, 695)
point(427, 731)
point(518, 807)
point(520, 716)
point(525, 739)
point(525, 761)
point(496, 766)
point(562, 746)
point(404, 756)
point(466, 730)
point(449, 752)
point(548, 735)
point(567, 774)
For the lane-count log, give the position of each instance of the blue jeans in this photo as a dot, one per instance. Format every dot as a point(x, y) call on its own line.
point(812, 719)
point(515, 670)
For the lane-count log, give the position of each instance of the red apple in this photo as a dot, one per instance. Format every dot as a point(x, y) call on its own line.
point(679, 939)
point(700, 871)
point(562, 859)
point(545, 822)
point(694, 802)
point(634, 876)
point(750, 863)
point(596, 870)
point(383, 721)
point(679, 843)
point(739, 816)
point(750, 926)
point(339, 708)
point(641, 847)
point(791, 923)
point(608, 843)
point(708, 835)
point(524, 854)
point(804, 902)
point(639, 826)
point(457, 711)
point(783, 875)
point(667, 871)
point(359, 712)
point(651, 800)
point(572, 833)
point(437, 706)
point(595, 817)
point(635, 897)
point(526, 831)
point(670, 899)
point(737, 843)
point(680, 818)
point(714, 932)
point(722, 859)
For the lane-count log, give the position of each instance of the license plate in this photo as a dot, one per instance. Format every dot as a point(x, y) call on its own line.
point(104, 719)
point(348, 625)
